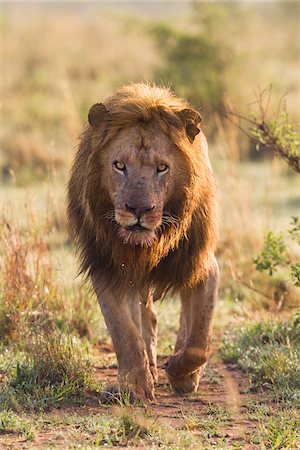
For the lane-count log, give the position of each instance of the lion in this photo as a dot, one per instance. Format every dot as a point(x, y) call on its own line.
point(142, 213)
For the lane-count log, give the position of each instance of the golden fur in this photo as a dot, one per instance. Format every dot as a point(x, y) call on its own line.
point(180, 257)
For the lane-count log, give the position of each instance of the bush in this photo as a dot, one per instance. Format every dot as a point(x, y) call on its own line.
point(275, 253)
point(195, 60)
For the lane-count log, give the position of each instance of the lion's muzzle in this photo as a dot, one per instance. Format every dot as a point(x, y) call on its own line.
point(139, 210)
point(138, 224)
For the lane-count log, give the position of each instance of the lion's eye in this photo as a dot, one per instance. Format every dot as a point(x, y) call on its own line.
point(162, 168)
point(120, 166)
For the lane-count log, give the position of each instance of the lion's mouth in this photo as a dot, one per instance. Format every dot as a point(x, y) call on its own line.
point(137, 227)
point(137, 235)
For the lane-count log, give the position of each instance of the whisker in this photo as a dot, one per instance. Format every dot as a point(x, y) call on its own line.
point(166, 214)
point(109, 216)
point(170, 218)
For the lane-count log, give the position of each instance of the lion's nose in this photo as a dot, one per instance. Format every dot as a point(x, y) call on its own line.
point(138, 210)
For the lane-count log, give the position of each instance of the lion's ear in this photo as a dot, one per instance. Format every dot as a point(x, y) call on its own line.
point(97, 114)
point(191, 120)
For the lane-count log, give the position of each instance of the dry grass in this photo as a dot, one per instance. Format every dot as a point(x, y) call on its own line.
point(26, 160)
point(40, 322)
point(49, 83)
point(27, 286)
point(33, 287)
point(48, 319)
point(51, 358)
point(49, 80)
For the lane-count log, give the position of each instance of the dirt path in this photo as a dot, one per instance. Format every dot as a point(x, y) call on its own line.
point(219, 398)
point(215, 414)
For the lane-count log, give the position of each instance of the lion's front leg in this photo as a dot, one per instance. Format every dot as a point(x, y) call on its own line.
point(149, 330)
point(192, 348)
point(127, 339)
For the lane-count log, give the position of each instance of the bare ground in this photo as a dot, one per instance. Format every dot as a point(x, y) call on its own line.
point(222, 393)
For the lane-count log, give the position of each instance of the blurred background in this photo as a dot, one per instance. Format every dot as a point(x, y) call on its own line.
point(57, 59)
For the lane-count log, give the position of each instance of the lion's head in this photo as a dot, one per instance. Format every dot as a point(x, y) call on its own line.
point(141, 191)
point(141, 169)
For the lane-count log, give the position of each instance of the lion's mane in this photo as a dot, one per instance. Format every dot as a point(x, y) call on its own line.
point(180, 257)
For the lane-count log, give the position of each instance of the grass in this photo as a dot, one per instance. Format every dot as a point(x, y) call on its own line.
point(12, 423)
point(269, 352)
point(51, 327)
point(210, 424)
point(123, 428)
point(276, 428)
point(44, 363)
point(51, 370)
point(26, 281)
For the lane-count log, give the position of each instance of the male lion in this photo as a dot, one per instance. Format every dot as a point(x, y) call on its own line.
point(142, 213)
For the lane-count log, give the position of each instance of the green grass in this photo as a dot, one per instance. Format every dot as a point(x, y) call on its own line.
point(51, 370)
point(122, 429)
point(12, 423)
point(269, 352)
point(210, 423)
point(277, 427)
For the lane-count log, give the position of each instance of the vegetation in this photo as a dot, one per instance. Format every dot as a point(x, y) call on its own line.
point(280, 136)
point(44, 364)
point(275, 253)
point(276, 134)
point(194, 65)
point(55, 353)
point(269, 352)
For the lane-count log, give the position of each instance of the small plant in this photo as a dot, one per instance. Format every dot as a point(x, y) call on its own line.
point(280, 431)
point(51, 370)
point(121, 395)
point(11, 423)
point(53, 358)
point(210, 423)
point(276, 134)
point(125, 429)
point(275, 253)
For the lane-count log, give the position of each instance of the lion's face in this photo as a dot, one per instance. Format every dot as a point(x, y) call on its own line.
point(142, 164)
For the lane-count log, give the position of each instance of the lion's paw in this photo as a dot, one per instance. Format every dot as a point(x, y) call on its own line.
point(141, 381)
point(184, 369)
point(186, 384)
point(123, 394)
point(185, 362)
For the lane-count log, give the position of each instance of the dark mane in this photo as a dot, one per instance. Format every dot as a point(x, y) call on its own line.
point(180, 256)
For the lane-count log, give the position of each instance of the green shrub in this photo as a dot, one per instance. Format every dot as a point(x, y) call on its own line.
point(195, 59)
point(275, 253)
